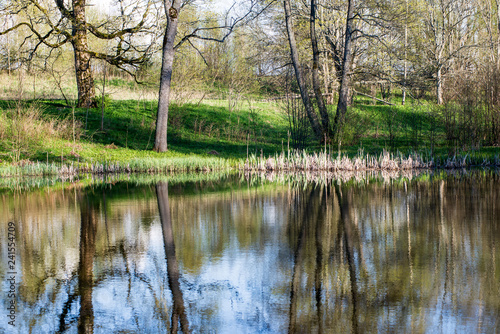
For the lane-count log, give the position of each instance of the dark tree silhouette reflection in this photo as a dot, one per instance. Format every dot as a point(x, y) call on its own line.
point(179, 311)
point(89, 212)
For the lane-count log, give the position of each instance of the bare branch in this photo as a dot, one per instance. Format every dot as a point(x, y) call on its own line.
point(229, 27)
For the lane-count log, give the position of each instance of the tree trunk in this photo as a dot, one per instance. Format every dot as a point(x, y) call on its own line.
point(8, 56)
point(498, 36)
point(313, 118)
point(166, 75)
point(405, 55)
point(103, 96)
point(325, 121)
point(326, 81)
point(439, 86)
point(346, 65)
point(83, 71)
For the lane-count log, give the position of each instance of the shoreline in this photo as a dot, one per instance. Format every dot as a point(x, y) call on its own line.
point(290, 162)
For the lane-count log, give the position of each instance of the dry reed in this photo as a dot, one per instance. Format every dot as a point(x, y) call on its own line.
point(303, 161)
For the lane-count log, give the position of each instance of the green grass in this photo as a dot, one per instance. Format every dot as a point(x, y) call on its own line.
point(128, 137)
point(195, 129)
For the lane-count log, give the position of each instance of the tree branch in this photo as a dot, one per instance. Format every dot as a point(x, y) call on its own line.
point(230, 27)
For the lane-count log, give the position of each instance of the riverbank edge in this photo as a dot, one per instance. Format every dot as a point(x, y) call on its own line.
point(292, 161)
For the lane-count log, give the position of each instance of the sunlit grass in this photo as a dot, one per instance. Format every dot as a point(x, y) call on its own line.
point(205, 135)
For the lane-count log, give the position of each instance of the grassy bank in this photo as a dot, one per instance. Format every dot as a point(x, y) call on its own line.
point(49, 137)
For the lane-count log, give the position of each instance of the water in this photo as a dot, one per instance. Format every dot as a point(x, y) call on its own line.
point(232, 256)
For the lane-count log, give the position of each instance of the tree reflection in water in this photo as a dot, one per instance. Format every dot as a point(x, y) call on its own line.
point(310, 206)
point(306, 213)
point(179, 311)
point(88, 209)
point(413, 256)
point(346, 228)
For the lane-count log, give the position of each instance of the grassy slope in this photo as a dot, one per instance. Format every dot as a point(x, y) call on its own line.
point(129, 131)
point(196, 129)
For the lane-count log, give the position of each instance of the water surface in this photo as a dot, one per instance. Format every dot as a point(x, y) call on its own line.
point(247, 256)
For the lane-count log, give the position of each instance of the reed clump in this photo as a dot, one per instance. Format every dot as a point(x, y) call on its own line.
point(302, 161)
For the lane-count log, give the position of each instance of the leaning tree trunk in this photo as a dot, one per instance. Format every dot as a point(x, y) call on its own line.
point(83, 71)
point(166, 75)
point(346, 66)
point(325, 121)
point(313, 119)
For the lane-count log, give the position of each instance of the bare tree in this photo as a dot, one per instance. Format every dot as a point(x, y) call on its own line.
point(447, 32)
point(172, 12)
point(315, 72)
point(311, 114)
point(346, 67)
point(53, 24)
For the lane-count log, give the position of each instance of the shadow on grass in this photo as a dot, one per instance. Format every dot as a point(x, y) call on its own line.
point(193, 129)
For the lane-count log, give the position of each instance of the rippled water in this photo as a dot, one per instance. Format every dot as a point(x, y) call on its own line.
point(420, 255)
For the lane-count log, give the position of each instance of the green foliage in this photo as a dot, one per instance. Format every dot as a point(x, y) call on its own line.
point(406, 128)
point(99, 100)
point(118, 82)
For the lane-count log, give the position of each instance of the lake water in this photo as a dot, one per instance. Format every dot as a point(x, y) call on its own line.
point(240, 255)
